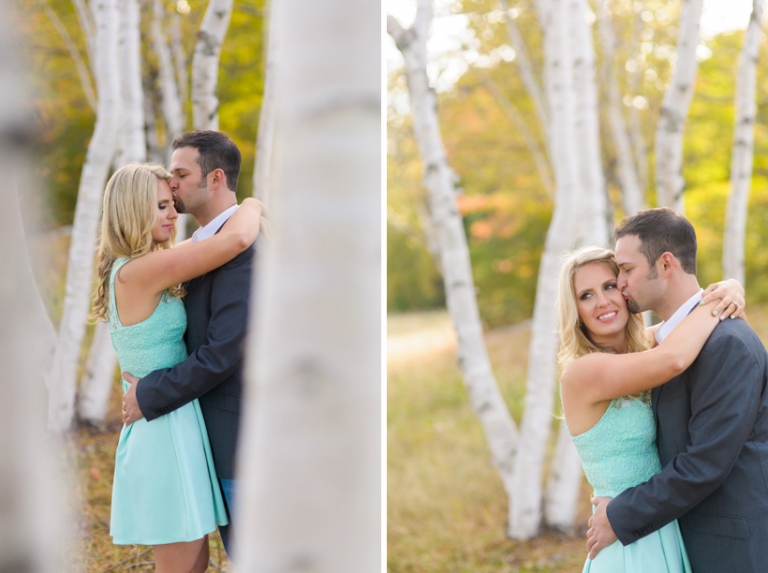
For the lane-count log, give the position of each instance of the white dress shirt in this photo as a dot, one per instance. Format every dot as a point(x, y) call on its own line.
point(210, 229)
point(667, 327)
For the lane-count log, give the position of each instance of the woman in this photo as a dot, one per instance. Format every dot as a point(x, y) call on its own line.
point(165, 492)
point(607, 366)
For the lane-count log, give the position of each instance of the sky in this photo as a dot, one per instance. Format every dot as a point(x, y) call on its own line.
point(449, 32)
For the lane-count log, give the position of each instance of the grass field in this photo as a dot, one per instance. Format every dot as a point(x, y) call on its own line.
point(446, 505)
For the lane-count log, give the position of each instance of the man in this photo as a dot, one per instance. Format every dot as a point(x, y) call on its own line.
point(205, 166)
point(712, 420)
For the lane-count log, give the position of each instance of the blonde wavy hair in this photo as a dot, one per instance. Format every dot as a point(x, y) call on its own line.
point(574, 340)
point(128, 215)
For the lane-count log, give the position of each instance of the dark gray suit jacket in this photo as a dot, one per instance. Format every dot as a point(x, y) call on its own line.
point(217, 316)
point(712, 434)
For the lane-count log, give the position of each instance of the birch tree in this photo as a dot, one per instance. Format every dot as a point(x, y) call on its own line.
point(96, 386)
point(168, 87)
point(205, 64)
point(742, 154)
point(631, 190)
point(674, 110)
point(310, 454)
point(31, 489)
point(94, 174)
point(440, 183)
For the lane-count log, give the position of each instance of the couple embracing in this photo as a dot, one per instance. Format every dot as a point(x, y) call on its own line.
point(680, 477)
point(178, 317)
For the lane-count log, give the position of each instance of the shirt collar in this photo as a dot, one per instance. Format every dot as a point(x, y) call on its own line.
point(668, 326)
point(211, 228)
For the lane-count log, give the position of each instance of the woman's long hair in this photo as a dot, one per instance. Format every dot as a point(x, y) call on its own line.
point(128, 215)
point(574, 341)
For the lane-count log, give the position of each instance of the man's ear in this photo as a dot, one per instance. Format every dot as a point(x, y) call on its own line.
point(667, 261)
point(218, 178)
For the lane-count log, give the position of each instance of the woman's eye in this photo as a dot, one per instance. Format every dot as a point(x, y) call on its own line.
point(585, 296)
point(610, 286)
point(162, 206)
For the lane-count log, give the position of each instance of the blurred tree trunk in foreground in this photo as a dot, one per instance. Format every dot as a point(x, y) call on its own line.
point(31, 488)
point(309, 459)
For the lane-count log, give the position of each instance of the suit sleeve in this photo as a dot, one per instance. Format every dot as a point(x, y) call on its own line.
point(167, 389)
point(725, 391)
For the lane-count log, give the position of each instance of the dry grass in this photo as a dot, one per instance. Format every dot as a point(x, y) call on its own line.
point(446, 504)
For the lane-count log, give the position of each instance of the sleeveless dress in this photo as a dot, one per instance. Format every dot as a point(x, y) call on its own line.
point(617, 453)
point(165, 488)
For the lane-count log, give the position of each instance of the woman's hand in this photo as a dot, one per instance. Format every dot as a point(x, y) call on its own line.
point(246, 222)
point(730, 293)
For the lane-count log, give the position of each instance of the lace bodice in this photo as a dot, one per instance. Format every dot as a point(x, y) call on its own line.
point(157, 342)
point(619, 451)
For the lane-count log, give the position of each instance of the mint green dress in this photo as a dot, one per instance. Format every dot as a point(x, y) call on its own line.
point(617, 453)
point(165, 488)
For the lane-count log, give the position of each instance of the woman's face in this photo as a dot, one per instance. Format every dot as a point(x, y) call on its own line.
point(166, 213)
point(601, 306)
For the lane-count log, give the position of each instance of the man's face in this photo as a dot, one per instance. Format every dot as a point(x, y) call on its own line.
point(638, 281)
point(189, 187)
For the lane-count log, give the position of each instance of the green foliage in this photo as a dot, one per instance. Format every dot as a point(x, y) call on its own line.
point(505, 206)
point(65, 120)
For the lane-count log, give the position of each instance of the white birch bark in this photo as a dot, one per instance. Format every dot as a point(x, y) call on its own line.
point(525, 510)
point(564, 484)
point(267, 116)
point(674, 110)
point(205, 64)
point(742, 155)
point(32, 519)
point(440, 182)
point(133, 144)
point(171, 103)
point(310, 455)
point(631, 191)
point(80, 267)
point(593, 205)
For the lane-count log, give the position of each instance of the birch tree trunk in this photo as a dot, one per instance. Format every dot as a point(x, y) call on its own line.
point(61, 407)
point(631, 192)
point(267, 116)
point(674, 110)
point(133, 144)
point(205, 64)
point(173, 114)
point(310, 454)
point(742, 155)
point(593, 202)
point(525, 511)
point(440, 182)
point(32, 517)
